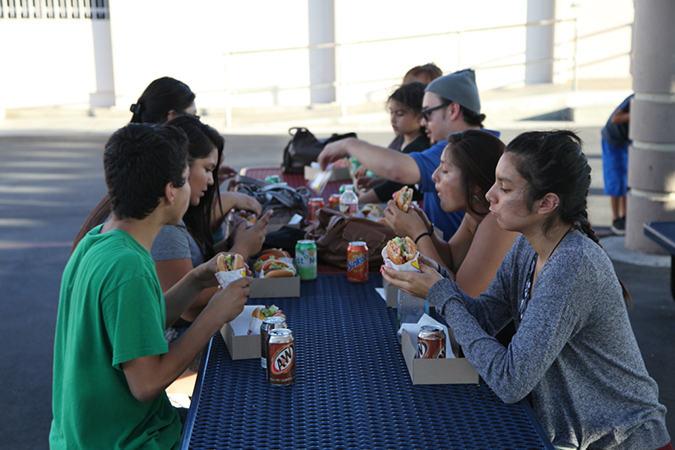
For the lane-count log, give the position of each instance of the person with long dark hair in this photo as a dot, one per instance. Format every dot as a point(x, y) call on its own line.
point(574, 354)
point(466, 172)
point(179, 248)
point(162, 100)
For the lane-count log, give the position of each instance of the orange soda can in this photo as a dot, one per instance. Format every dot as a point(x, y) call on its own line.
point(334, 201)
point(315, 204)
point(357, 262)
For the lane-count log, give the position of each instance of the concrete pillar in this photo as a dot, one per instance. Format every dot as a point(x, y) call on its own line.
point(322, 61)
point(651, 158)
point(539, 42)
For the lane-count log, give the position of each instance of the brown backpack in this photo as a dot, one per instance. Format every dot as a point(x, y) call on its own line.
point(336, 230)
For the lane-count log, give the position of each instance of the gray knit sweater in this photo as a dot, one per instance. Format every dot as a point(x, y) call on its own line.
point(574, 349)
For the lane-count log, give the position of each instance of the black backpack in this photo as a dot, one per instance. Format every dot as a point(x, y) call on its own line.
point(304, 148)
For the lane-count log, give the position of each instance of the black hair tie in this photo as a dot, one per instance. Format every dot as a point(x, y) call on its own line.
point(426, 233)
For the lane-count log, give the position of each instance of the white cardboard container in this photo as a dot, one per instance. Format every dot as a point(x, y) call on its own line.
point(392, 295)
point(275, 287)
point(242, 346)
point(391, 292)
point(339, 174)
point(437, 371)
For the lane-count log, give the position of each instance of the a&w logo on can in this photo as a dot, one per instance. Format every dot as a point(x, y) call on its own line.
point(422, 349)
point(283, 359)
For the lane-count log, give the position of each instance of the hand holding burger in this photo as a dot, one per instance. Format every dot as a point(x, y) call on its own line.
point(401, 250)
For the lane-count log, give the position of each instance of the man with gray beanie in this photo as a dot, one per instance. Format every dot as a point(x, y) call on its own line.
point(451, 104)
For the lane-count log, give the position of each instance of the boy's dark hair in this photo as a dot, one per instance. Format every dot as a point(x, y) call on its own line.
point(139, 161)
point(160, 97)
point(203, 140)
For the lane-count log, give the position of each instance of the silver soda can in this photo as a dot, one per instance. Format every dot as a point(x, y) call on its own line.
point(268, 323)
point(281, 357)
point(431, 342)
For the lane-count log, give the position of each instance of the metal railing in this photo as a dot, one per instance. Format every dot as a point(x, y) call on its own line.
point(340, 84)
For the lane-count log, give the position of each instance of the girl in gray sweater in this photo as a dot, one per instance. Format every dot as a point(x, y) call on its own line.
point(574, 350)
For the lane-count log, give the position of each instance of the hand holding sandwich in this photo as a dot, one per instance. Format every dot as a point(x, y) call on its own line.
point(416, 284)
point(404, 224)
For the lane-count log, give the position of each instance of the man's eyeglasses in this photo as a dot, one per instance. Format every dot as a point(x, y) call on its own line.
point(426, 113)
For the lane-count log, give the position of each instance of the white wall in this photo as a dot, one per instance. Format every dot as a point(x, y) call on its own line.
point(82, 63)
point(46, 63)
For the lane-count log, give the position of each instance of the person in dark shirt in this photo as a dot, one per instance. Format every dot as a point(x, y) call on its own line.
point(405, 110)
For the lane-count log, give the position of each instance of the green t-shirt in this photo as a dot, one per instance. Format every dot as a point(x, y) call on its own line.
point(111, 310)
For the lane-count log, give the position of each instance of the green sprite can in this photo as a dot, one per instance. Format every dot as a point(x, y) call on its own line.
point(305, 259)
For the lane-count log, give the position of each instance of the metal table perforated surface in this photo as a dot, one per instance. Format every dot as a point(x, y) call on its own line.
point(352, 388)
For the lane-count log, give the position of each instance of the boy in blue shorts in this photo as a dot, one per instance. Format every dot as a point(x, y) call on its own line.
point(615, 163)
point(112, 363)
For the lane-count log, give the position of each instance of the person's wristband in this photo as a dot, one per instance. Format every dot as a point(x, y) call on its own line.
point(426, 233)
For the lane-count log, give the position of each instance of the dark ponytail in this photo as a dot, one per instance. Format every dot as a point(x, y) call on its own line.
point(161, 96)
point(554, 162)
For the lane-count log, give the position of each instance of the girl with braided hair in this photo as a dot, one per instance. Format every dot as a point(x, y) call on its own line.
point(574, 355)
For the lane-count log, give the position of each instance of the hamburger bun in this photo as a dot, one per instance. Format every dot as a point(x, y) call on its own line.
point(275, 252)
point(403, 198)
point(401, 250)
point(228, 263)
point(275, 268)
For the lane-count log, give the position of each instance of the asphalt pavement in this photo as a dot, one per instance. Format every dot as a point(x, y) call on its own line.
point(50, 181)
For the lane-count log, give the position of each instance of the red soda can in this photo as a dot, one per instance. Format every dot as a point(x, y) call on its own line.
point(334, 201)
point(269, 323)
point(357, 262)
point(315, 204)
point(431, 342)
point(280, 357)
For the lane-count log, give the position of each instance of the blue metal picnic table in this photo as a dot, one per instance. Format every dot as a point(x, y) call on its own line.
point(352, 388)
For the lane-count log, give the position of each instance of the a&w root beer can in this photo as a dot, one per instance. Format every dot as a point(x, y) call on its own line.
point(269, 323)
point(281, 357)
point(431, 342)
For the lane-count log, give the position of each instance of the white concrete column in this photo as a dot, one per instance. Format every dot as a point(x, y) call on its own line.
point(539, 42)
point(322, 61)
point(651, 158)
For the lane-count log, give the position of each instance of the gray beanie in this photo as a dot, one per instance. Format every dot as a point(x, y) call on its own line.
point(460, 87)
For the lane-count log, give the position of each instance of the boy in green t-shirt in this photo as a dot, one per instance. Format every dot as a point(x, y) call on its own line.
point(111, 361)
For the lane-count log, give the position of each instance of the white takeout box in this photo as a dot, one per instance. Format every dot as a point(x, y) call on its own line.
point(240, 344)
point(449, 370)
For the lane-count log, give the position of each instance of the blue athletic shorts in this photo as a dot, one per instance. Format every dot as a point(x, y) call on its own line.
point(615, 169)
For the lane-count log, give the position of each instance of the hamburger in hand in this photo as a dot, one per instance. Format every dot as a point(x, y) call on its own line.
point(401, 250)
point(403, 198)
point(277, 269)
point(227, 263)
